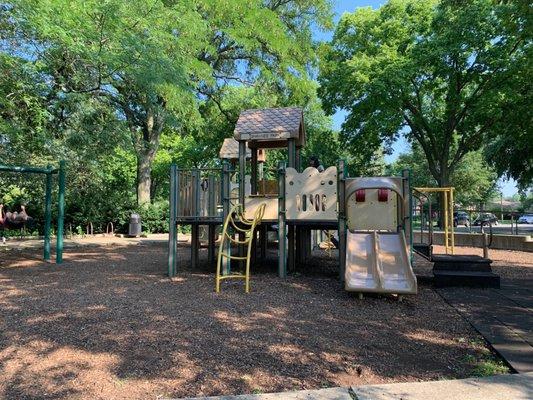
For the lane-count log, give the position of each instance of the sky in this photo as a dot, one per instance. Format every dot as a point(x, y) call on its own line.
point(508, 188)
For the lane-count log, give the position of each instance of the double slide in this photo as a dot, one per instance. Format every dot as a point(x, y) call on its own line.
point(378, 262)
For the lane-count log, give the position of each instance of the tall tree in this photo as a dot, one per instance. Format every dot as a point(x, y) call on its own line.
point(155, 61)
point(435, 70)
point(475, 182)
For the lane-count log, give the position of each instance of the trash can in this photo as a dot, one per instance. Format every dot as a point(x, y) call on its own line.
point(135, 228)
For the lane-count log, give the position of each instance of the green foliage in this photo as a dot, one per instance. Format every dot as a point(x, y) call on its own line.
point(13, 196)
point(526, 201)
point(152, 65)
point(121, 89)
point(441, 71)
point(475, 182)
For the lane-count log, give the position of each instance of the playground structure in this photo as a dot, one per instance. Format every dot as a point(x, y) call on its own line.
point(49, 172)
point(371, 215)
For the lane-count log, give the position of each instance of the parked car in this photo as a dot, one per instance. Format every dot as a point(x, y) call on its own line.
point(526, 219)
point(485, 218)
point(461, 218)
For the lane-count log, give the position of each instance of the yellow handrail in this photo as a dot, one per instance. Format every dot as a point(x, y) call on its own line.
point(237, 212)
point(448, 203)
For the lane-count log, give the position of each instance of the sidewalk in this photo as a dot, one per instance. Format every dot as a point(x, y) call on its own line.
point(498, 387)
point(503, 316)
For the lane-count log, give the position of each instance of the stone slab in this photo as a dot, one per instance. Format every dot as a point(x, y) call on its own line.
point(499, 387)
point(502, 319)
point(320, 394)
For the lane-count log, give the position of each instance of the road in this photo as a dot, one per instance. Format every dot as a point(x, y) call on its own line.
point(501, 228)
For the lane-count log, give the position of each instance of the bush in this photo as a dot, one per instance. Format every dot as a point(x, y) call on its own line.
point(154, 217)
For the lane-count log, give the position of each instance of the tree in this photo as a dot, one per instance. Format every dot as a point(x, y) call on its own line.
point(436, 70)
point(154, 62)
point(475, 182)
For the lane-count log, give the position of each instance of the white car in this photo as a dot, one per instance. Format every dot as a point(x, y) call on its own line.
point(526, 219)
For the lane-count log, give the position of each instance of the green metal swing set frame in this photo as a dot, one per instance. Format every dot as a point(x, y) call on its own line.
point(49, 171)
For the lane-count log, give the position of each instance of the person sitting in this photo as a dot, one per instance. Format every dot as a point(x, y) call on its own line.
point(315, 162)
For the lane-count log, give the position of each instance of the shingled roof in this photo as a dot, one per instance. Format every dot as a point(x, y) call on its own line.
point(230, 150)
point(271, 124)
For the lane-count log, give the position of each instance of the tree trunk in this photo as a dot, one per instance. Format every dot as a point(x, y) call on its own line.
point(444, 181)
point(144, 179)
point(146, 143)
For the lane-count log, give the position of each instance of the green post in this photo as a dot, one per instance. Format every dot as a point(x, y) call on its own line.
point(282, 226)
point(60, 213)
point(226, 193)
point(341, 190)
point(47, 214)
point(172, 232)
point(406, 174)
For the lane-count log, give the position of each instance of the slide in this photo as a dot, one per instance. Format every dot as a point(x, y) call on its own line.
point(378, 262)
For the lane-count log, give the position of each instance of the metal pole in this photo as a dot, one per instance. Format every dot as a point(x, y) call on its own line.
point(253, 177)
point(226, 182)
point(242, 172)
point(451, 221)
point(195, 245)
point(29, 170)
point(172, 236)
point(47, 215)
point(445, 220)
point(211, 213)
point(60, 213)
point(291, 147)
point(485, 245)
point(341, 190)
point(282, 237)
point(408, 198)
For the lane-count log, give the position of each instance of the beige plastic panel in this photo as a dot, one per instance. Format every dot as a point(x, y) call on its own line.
point(311, 195)
point(271, 210)
point(372, 214)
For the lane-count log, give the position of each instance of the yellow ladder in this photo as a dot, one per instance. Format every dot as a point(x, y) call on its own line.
point(239, 223)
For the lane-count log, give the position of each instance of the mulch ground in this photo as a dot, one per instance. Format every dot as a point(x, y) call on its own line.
point(108, 324)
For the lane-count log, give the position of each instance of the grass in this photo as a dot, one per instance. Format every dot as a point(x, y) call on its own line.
point(489, 367)
point(485, 363)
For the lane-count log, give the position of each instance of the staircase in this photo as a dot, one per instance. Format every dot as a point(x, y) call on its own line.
point(463, 270)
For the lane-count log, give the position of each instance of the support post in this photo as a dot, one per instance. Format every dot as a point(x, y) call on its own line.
point(408, 218)
point(444, 219)
point(341, 190)
point(452, 236)
point(242, 172)
point(253, 171)
point(263, 239)
point(211, 211)
point(47, 213)
point(282, 237)
point(195, 244)
point(242, 193)
point(195, 228)
point(211, 244)
point(291, 239)
point(172, 228)
point(226, 181)
point(291, 148)
point(60, 213)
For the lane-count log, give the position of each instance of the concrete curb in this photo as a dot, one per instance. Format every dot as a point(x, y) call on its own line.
point(498, 387)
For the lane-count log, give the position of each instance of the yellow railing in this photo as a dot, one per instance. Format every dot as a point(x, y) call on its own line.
point(237, 221)
point(448, 203)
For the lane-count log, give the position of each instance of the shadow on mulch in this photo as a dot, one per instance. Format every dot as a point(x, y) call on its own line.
point(108, 324)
